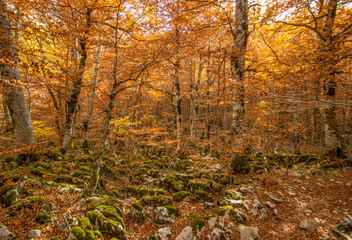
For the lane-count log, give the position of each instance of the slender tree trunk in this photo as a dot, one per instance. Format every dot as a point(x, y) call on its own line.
point(72, 101)
point(195, 99)
point(177, 86)
point(240, 36)
point(14, 96)
point(7, 116)
point(87, 120)
point(208, 106)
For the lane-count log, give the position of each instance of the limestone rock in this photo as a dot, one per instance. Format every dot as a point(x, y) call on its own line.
point(34, 233)
point(186, 234)
point(5, 234)
point(308, 225)
point(162, 234)
point(212, 222)
point(239, 216)
point(217, 234)
point(263, 214)
point(161, 215)
point(247, 233)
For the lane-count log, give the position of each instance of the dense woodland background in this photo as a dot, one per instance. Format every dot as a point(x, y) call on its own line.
point(205, 76)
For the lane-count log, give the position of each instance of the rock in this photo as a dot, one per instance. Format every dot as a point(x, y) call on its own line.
point(239, 216)
point(34, 233)
point(263, 214)
point(108, 220)
point(217, 234)
point(270, 205)
point(256, 206)
point(346, 224)
point(276, 200)
point(247, 233)
point(162, 234)
point(186, 234)
point(137, 211)
point(308, 225)
point(208, 205)
point(212, 222)
point(5, 234)
point(161, 216)
point(235, 203)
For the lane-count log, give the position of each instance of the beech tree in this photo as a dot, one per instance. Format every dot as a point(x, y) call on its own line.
point(11, 82)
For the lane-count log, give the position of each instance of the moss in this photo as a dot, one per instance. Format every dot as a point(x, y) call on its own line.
point(239, 181)
point(98, 235)
point(43, 218)
point(79, 233)
point(179, 196)
point(157, 200)
point(40, 172)
point(71, 180)
point(202, 195)
point(85, 224)
point(55, 238)
point(307, 158)
point(4, 189)
point(45, 165)
point(137, 205)
point(178, 185)
point(172, 210)
point(217, 187)
point(199, 185)
point(80, 174)
point(220, 211)
point(114, 193)
point(240, 164)
point(107, 225)
point(198, 223)
point(111, 213)
point(11, 197)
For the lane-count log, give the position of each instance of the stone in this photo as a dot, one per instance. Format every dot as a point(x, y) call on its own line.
point(270, 205)
point(186, 234)
point(308, 225)
point(235, 203)
point(239, 216)
point(247, 233)
point(276, 200)
point(5, 234)
point(137, 211)
point(162, 234)
point(217, 234)
point(161, 216)
point(263, 214)
point(208, 205)
point(212, 222)
point(34, 233)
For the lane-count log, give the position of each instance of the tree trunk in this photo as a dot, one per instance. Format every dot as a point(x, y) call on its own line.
point(87, 120)
point(194, 87)
point(10, 75)
point(178, 99)
point(72, 101)
point(240, 36)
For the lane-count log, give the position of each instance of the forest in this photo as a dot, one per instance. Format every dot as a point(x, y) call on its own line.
point(175, 119)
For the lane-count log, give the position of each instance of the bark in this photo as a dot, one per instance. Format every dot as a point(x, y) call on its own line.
point(10, 75)
point(194, 104)
point(240, 36)
point(87, 120)
point(72, 101)
point(178, 99)
point(7, 118)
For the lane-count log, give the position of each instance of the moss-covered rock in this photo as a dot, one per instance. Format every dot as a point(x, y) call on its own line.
point(193, 185)
point(197, 223)
point(104, 224)
point(220, 211)
point(138, 191)
point(81, 174)
point(157, 200)
point(45, 165)
point(240, 164)
point(216, 187)
point(85, 224)
point(179, 196)
point(173, 211)
point(70, 180)
point(203, 195)
point(43, 218)
point(40, 172)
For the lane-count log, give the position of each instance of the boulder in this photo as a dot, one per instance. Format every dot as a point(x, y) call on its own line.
point(247, 233)
point(5, 234)
point(162, 234)
point(161, 216)
point(217, 234)
point(308, 225)
point(186, 234)
point(34, 233)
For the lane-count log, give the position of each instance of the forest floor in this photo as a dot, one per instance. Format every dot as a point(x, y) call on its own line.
point(274, 199)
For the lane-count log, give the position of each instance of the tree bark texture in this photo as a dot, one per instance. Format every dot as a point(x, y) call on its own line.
point(10, 77)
